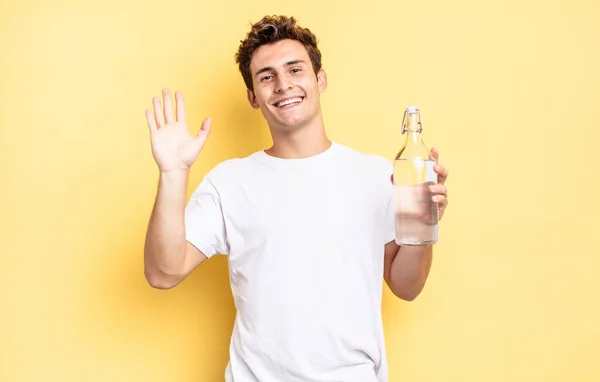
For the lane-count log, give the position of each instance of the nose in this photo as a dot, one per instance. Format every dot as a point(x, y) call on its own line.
point(283, 84)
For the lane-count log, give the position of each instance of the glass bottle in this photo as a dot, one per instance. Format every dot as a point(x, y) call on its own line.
point(416, 212)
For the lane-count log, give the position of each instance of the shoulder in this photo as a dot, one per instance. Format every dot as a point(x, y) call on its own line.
point(370, 162)
point(231, 167)
point(226, 175)
point(369, 173)
point(225, 168)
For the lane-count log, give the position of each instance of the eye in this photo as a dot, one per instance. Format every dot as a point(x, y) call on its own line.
point(296, 70)
point(266, 78)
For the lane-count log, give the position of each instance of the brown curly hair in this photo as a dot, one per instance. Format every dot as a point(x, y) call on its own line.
point(271, 29)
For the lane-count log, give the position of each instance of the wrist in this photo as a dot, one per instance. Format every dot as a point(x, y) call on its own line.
point(174, 175)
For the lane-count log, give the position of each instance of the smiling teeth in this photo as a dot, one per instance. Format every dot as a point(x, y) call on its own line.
point(289, 102)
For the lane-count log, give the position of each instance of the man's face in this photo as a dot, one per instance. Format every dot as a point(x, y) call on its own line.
point(286, 89)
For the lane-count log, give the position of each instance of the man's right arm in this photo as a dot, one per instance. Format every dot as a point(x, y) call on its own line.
point(168, 257)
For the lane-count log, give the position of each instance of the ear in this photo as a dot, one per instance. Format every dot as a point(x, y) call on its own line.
point(322, 80)
point(252, 99)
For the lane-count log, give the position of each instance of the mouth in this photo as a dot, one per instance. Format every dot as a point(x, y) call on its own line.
point(289, 103)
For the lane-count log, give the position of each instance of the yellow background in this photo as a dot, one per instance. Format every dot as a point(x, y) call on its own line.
point(509, 95)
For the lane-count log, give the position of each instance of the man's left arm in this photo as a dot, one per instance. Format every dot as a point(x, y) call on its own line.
point(406, 268)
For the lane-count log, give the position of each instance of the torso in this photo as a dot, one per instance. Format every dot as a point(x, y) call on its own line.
point(306, 243)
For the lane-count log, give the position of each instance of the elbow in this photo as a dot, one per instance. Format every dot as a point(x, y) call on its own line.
point(160, 284)
point(406, 294)
point(159, 281)
point(410, 296)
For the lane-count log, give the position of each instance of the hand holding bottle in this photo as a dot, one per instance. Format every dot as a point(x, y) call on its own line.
point(416, 203)
point(419, 190)
point(173, 147)
point(439, 191)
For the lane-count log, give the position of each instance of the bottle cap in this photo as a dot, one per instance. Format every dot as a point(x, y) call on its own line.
point(412, 109)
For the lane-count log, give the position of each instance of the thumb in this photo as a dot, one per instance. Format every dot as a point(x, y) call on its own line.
point(204, 129)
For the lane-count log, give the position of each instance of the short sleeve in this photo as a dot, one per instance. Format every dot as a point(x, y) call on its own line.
point(390, 215)
point(204, 221)
point(386, 169)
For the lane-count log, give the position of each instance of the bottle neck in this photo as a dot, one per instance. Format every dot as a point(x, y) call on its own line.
point(412, 128)
point(414, 147)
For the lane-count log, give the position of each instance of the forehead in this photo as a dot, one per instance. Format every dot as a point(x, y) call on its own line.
point(277, 54)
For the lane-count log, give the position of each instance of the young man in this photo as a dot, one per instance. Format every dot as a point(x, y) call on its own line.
point(307, 224)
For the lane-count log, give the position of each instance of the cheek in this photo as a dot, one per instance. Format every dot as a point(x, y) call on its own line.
point(307, 86)
point(262, 97)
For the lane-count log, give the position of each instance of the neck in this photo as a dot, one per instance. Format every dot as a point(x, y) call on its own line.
point(302, 142)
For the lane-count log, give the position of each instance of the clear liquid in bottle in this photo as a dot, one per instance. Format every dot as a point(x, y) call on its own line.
point(416, 212)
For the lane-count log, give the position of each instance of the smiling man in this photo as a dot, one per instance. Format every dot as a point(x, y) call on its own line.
point(284, 79)
point(307, 225)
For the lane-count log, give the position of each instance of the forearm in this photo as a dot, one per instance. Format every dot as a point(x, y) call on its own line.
point(165, 247)
point(409, 271)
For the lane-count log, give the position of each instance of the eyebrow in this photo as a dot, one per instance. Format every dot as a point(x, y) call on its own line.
point(269, 68)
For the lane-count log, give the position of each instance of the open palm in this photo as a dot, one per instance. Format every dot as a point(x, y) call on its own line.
point(173, 147)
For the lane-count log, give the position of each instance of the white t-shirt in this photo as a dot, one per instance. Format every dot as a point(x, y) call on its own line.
point(305, 243)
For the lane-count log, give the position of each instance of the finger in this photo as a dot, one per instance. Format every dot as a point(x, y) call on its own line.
point(158, 113)
point(442, 173)
point(439, 169)
point(200, 140)
point(151, 120)
point(438, 189)
point(204, 129)
point(440, 199)
point(435, 154)
point(443, 205)
point(179, 104)
point(168, 106)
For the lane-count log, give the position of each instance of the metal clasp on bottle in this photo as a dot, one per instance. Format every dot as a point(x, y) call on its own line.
point(404, 129)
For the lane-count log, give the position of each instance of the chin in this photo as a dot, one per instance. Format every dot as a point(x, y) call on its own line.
point(293, 124)
point(287, 123)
